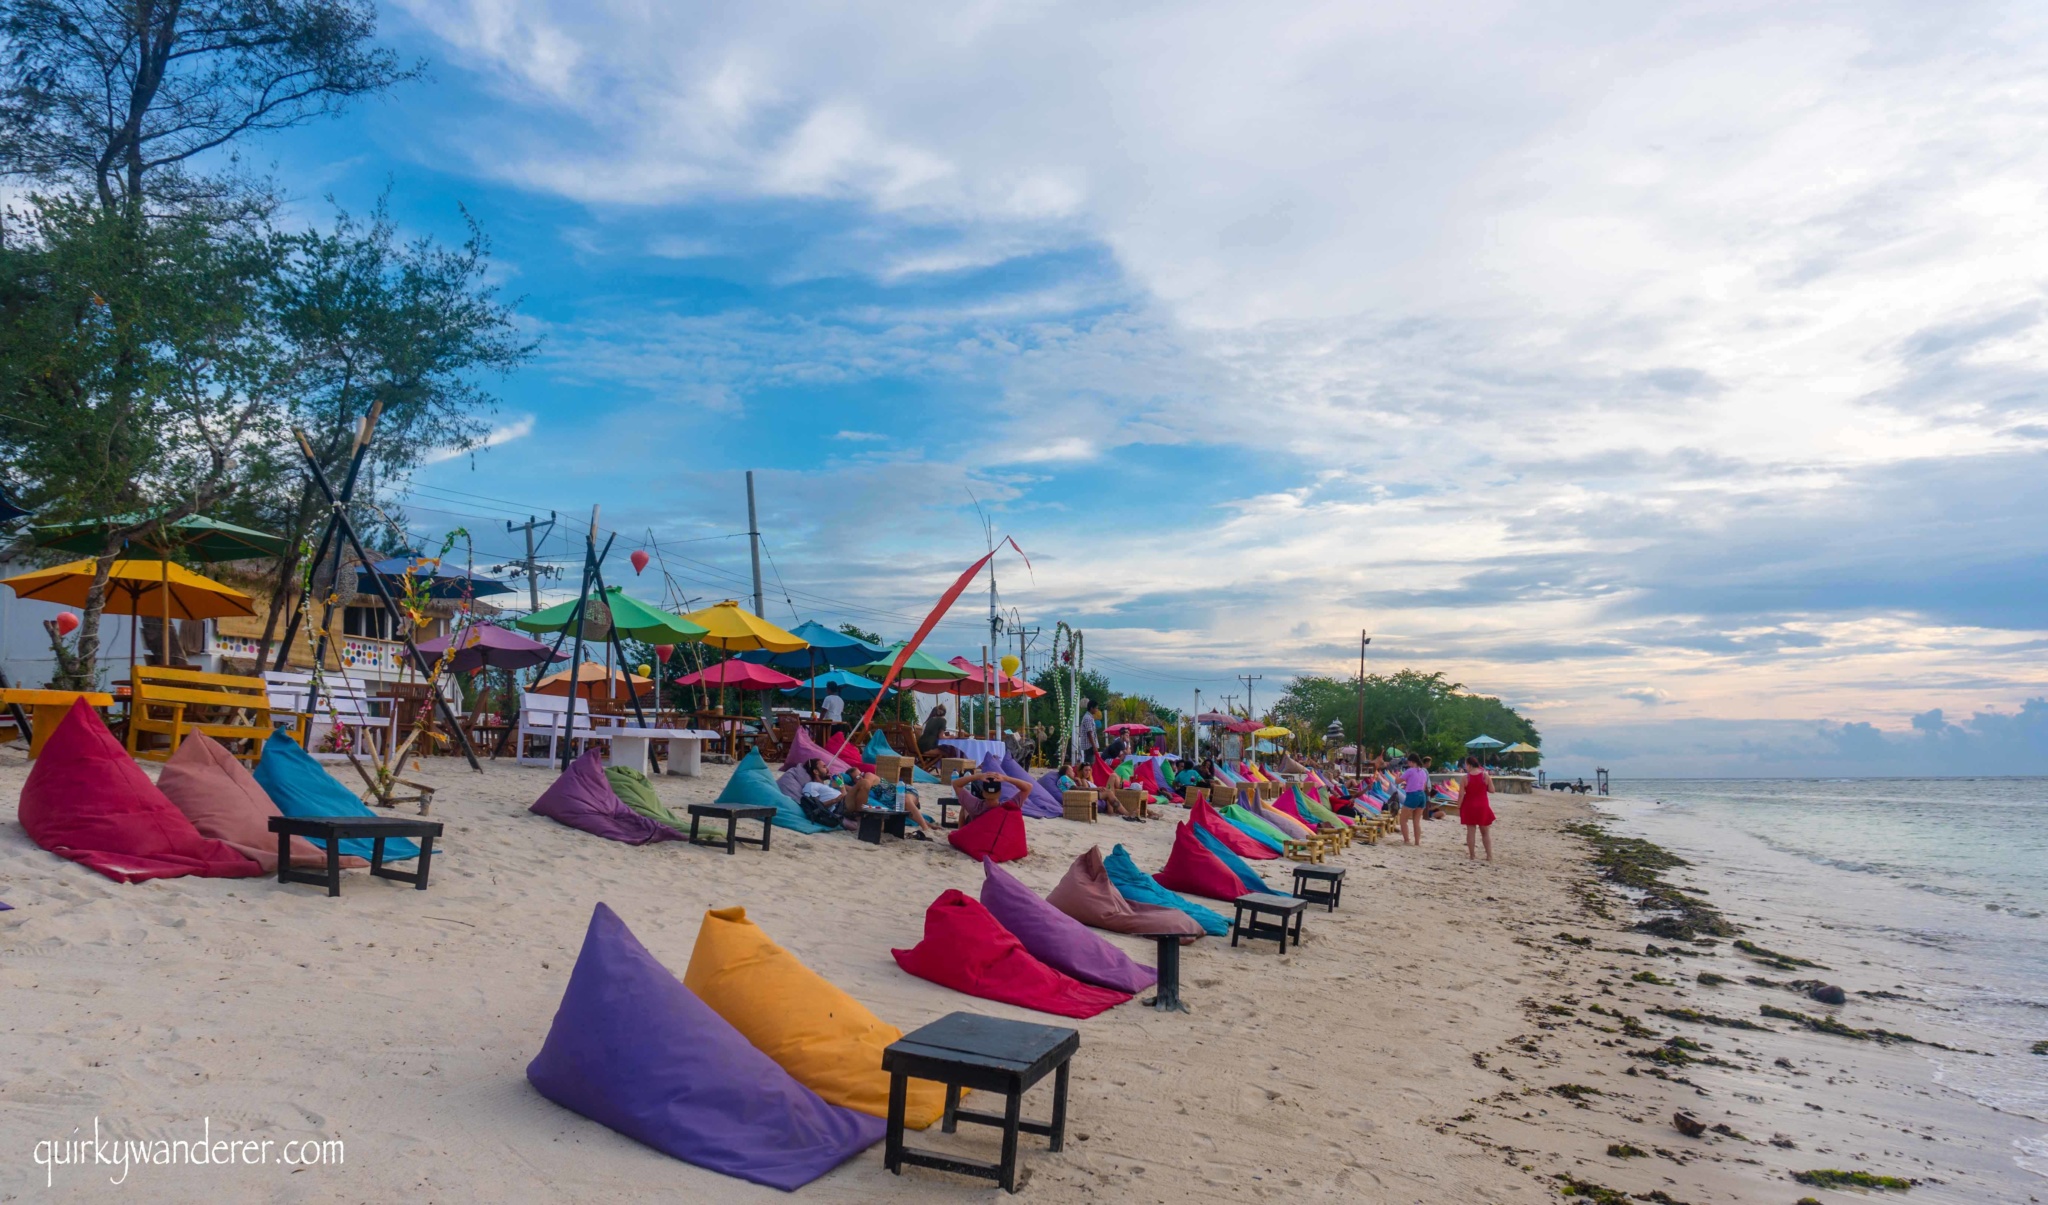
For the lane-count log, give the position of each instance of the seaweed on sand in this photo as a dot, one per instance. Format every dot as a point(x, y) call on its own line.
point(1828, 1177)
point(1784, 962)
point(1830, 1025)
point(1700, 1018)
point(1639, 866)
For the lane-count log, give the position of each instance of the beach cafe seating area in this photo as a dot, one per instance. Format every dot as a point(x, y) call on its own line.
point(748, 1063)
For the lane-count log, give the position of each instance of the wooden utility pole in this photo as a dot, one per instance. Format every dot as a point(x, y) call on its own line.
point(532, 570)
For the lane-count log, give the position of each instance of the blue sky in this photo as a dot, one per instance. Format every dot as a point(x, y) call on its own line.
point(1673, 372)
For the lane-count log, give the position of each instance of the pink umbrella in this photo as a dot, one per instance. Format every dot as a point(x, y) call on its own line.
point(740, 675)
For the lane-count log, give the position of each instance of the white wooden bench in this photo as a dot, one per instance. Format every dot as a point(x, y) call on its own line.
point(344, 703)
point(543, 718)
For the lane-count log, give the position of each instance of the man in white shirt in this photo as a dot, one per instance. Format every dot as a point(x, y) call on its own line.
point(832, 706)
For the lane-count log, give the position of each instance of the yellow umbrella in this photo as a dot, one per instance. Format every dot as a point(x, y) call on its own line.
point(136, 588)
point(1270, 732)
point(737, 631)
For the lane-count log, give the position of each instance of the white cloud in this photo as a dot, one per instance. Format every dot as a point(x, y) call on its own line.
point(860, 436)
point(518, 428)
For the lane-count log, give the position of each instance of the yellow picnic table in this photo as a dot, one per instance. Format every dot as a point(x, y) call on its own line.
point(47, 708)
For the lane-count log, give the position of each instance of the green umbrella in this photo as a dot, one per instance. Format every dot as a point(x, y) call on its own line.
point(629, 617)
point(196, 536)
point(919, 668)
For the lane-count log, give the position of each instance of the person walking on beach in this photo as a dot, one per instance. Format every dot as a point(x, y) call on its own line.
point(1475, 809)
point(1414, 795)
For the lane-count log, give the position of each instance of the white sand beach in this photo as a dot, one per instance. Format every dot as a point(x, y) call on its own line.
point(1406, 1052)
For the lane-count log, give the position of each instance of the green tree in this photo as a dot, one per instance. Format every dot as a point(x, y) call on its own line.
point(1419, 712)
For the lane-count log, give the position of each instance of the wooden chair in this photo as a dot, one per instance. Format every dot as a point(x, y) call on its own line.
point(543, 718)
point(173, 702)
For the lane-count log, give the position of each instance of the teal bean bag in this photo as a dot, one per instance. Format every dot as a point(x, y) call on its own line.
point(753, 785)
point(1140, 888)
point(300, 786)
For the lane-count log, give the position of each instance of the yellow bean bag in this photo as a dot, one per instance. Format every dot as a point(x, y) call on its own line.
point(824, 1038)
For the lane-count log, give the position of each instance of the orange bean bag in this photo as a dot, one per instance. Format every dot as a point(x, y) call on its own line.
point(86, 801)
point(827, 1041)
point(222, 800)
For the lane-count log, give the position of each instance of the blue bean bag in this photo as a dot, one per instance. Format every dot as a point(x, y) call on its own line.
point(753, 785)
point(1238, 866)
point(878, 746)
point(633, 1049)
point(1140, 888)
point(300, 786)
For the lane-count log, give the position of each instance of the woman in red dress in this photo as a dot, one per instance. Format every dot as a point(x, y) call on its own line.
point(1475, 809)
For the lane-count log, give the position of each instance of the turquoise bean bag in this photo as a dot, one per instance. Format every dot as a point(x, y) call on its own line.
point(1140, 888)
point(753, 785)
point(300, 786)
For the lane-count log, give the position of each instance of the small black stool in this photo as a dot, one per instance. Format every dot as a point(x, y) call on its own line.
point(948, 804)
point(1167, 1000)
point(732, 814)
point(986, 1054)
point(1320, 885)
point(874, 822)
point(1257, 905)
point(333, 829)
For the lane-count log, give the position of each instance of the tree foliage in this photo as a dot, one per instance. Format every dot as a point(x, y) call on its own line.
point(1416, 711)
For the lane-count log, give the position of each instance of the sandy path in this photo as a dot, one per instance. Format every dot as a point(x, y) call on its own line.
point(402, 1022)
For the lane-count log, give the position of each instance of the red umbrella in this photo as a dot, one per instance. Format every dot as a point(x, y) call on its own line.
point(740, 675)
point(1129, 729)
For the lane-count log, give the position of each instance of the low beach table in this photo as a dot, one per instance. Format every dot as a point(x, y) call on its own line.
point(631, 746)
point(1257, 906)
point(732, 814)
point(333, 829)
point(1319, 885)
point(1167, 998)
point(986, 1054)
point(876, 821)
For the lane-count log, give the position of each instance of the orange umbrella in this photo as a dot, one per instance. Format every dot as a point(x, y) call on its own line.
point(594, 681)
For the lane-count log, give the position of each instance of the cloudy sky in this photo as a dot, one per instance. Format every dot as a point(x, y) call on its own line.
point(1672, 371)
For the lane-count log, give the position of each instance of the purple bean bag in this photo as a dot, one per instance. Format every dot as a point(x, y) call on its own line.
point(633, 1049)
point(1040, 802)
point(1056, 939)
point(582, 798)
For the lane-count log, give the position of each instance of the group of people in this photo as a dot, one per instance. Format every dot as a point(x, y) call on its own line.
point(1405, 783)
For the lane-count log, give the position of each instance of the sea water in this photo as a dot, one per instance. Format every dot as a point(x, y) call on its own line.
point(1936, 889)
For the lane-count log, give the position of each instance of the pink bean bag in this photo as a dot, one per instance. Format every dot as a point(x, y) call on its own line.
point(220, 797)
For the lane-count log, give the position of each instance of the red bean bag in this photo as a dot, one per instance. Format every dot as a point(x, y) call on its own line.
point(1101, 773)
point(997, 834)
point(86, 801)
point(1286, 804)
point(968, 950)
point(1239, 842)
point(1193, 870)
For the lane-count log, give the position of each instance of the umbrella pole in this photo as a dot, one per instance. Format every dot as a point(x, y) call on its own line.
point(576, 621)
point(597, 573)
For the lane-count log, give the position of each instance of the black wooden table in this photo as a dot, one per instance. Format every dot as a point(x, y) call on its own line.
point(985, 1054)
point(1257, 906)
point(732, 814)
point(1167, 997)
point(948, 804)
point(334, 829)
point(1320, 885)
point(875, 821)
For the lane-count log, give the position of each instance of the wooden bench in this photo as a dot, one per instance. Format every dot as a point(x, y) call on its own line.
point(545, 718)
point(984, 1054)
point(181, 690)
point(49, 708)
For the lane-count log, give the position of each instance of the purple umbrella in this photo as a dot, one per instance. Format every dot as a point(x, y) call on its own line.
point(488, 644)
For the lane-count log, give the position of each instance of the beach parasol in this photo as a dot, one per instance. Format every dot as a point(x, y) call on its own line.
point(1271, 732)
point(136, 588)
point(851, 686)
point(740, 675)
point(1128, 729)
point(1482, 741)
point(729, 628)
point(628, 617)
point(443, 582)
point(825, 649)
point(924, 672)
point(487, 644)
point(592, 681)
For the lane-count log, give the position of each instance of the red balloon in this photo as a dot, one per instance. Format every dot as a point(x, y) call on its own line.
point(639, 559)
point(67, 623)
point(663, 650)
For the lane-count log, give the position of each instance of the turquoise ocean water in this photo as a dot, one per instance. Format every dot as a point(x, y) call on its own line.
point(1934, 888)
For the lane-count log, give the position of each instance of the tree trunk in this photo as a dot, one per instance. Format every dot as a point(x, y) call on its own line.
point(89, 625)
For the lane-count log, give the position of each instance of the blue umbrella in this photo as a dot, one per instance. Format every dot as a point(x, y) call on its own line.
point(829, 650)
point(448, 581)
point(852, 687)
